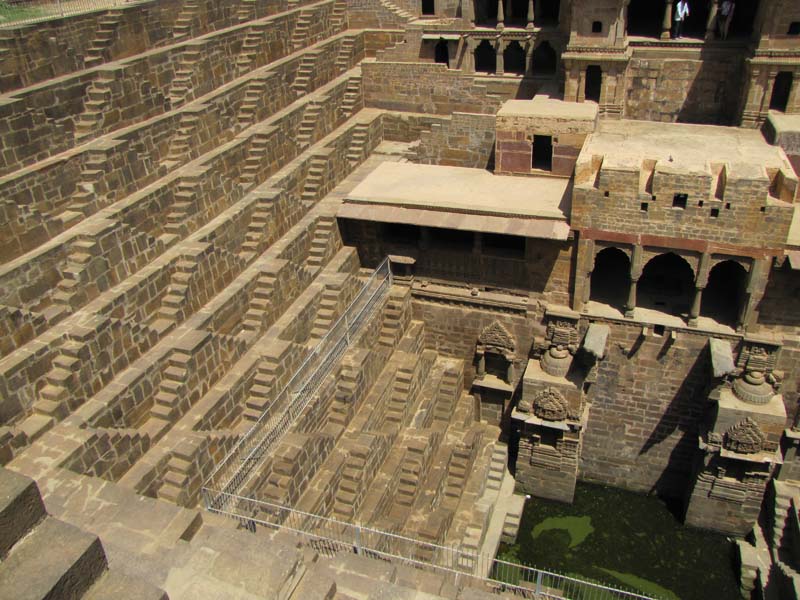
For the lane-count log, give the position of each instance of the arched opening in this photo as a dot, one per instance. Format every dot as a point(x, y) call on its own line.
point(646, 17)
point(611, 278)
point(547, 12)
point(724, 293)
point(593, 83)
point(428, 7)
point(442, 53)
point(486, 12)
point(744, 15)
point(544, 60)
point(485, 58)
point(514, 58)
point(667, 284)
point(780, 91)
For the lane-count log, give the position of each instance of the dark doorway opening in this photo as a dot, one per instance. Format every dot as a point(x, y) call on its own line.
point(695, 24)
point(547, 12)
point(428, 7)
point(544, 60)
point(442, 53)
point(542, 155)
point(667, 284)
point(486, 12)
point(518, 12)
point(514, 59)
point(611, 278)
point(780, 91)
point(485, 58)
point(646, 17)
point(593, 83)
point(724, 293)
point(744, 15)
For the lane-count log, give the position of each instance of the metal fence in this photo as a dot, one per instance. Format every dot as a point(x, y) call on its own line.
point(19, 12)
point(240, 464)
point(329, 537)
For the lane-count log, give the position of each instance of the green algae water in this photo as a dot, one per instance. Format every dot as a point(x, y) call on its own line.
point(625, 540)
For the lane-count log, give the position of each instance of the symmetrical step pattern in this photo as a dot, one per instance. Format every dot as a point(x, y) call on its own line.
point(181, 143)
point(171, 390)
point(260, 304)
point(89, 121)
point(97, 53)
point(308, 125)
point(85, 200)
point(183, 206)
point(314, 181)
point(352, 97)
point(70, 290)
point(339, 15)
point(357, 149)
point(300, 33)
point(250, 46)
point(345, 55)
point(174, 301)
point(253, 98)
point(246, 11)
point(327, 313)
point(305, 73)
point(183, 24)
point(258, 228)
point(256, 151)
point(181, 86)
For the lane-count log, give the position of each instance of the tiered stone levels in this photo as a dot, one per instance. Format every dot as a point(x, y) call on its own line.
point(170, 254)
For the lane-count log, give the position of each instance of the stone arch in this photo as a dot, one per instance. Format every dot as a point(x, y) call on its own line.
point(495, 352)
point(666, 284)
point(724, 292)
point(514, 58)
point(485, 58)
point(611, 277)
point(544, 59)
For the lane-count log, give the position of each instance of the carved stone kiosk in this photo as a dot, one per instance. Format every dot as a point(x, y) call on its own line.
point(551, 413)
point(740, 448)
point(493, 384)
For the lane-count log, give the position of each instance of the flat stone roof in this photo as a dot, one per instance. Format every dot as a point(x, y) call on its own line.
point(543, 106)
point(461, 198)
point(683, 147)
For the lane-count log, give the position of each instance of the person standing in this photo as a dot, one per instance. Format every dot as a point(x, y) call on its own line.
point(681, 12)
point(725, 15)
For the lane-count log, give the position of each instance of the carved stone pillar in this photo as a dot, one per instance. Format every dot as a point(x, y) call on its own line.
point(530, 14)
point(529, 56)
point(703, 268)
point(500, 16)
point(468, 62)
point(500, 47)
point(694, 312)
point(666, 26)
point(469, 11)
point(712, 19)
point(630, 305)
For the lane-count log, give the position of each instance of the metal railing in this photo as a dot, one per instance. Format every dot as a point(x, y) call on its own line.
point(20, 12)
point(329, 537)
point(242, 462)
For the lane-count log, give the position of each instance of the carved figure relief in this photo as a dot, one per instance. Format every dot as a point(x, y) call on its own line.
point(745, 437)
point(550, 405)
point(754, 357)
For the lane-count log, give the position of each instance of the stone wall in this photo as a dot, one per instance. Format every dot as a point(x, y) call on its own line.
point(691, 86)
point(463, 140)
point(424, 87)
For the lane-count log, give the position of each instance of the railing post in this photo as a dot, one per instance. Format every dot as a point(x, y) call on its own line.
point(358, 539)
point(538, 582)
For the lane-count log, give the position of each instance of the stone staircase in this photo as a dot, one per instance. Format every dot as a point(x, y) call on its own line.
point(300, 33)
point(256, 237)
point(246, 11)
point(180, 146)
point(183, 24)
point(352, 97)
point(181, 86)
point(345, 55)
point(305, 72)
point(339, 15)
point(44, 557)
point(308, 125)
point(256, 151)
point(107, 27)
point(98, 97)
point(84, 201)
point(171, 391)
point(253, 98)
point(314, 181)
point(70, 290)
point(497, 467)
point(250, 46)
point(356, 151)
point(63, 376)
point(261, 391)
point(176, 297)
point(260, 303)
point(327, 313)
point(448, 394)
point(402, 15)
point(183, 206)
point(319, 251)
